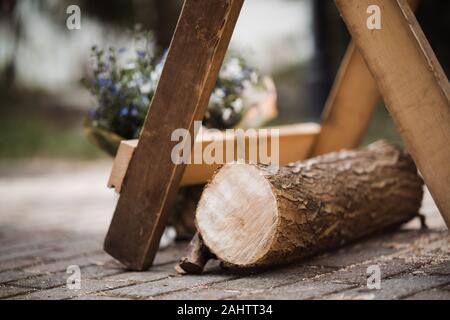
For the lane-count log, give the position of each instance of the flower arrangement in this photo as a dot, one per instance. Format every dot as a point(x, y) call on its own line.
point(124, 81)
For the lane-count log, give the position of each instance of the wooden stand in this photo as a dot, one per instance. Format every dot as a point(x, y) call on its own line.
point(398, 56)
point(294, 142)
point(413, 84)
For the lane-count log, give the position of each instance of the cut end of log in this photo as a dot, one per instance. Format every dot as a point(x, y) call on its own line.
point(240, 214)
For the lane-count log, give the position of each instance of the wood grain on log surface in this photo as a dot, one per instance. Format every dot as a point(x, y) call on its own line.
point(254, 216)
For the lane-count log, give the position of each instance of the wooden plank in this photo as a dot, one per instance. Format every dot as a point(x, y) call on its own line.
point(413, 84)
point(350, 105)
point(190, 72)
point(121, 163)
point(294, 142)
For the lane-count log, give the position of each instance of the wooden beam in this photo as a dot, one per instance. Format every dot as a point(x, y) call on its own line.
point(190, 72)
point(413, 84)
point(294, 142)
point(350, 105)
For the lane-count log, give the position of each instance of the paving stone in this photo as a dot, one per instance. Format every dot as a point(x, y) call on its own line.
point(170, 254)
point(297, 291)
point(248, 283)
point(395, 288)
point(13, 239)
point(11, 275)
point(7, 291)
point(274, 278)
point(350, 255)
point(433, 294)
point(88, 286)
point(74, 248)
point(199, 293)
point(357, 274)
point(411, 260)
point(32, 251)
point(375, 247)
point(99, 258)
point(42, 281)
point(166, 285)
point(60, 278)
point(141, 277)
point(97, 297)
point(441, 268)
point(19, 263)
point(35, 254)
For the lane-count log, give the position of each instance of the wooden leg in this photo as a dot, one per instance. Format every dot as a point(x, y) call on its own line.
point(190, 72)
point(350, 105)
point(413, 84)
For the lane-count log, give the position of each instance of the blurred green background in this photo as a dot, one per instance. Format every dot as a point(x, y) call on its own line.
point(42, 103)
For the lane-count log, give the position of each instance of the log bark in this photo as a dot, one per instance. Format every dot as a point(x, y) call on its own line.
point(197, 255)
point(254, 216)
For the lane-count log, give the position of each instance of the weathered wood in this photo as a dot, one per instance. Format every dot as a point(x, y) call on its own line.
point(413, 84)
point(121, 163)
point(196, 257)
point(189, 75)
point(253, 216)
point(294, 143)
point(350, 105)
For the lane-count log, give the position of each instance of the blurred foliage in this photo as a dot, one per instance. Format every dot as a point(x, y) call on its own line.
point(30, 130)
point(33, 126)
point(124, 82)
point(40, 137)
point(158, 15)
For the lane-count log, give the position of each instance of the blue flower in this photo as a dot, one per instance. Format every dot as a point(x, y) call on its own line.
point(134, 111)
point(124, 111)
point(141, 53)
point(104, 82)
point(114, 90)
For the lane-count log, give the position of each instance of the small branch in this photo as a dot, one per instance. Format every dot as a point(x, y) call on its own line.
point(423, 221)
point(197, 256)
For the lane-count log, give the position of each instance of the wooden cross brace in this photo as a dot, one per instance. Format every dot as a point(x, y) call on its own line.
point(398, 56)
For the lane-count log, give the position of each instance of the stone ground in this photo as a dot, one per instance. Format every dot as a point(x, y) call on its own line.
point(55, 214)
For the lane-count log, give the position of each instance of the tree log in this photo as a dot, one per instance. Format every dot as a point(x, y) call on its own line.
point(255, 216)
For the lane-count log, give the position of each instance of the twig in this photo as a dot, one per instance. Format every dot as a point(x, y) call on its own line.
point(196, 257)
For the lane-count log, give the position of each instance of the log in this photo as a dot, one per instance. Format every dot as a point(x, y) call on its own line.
point(254, 216)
